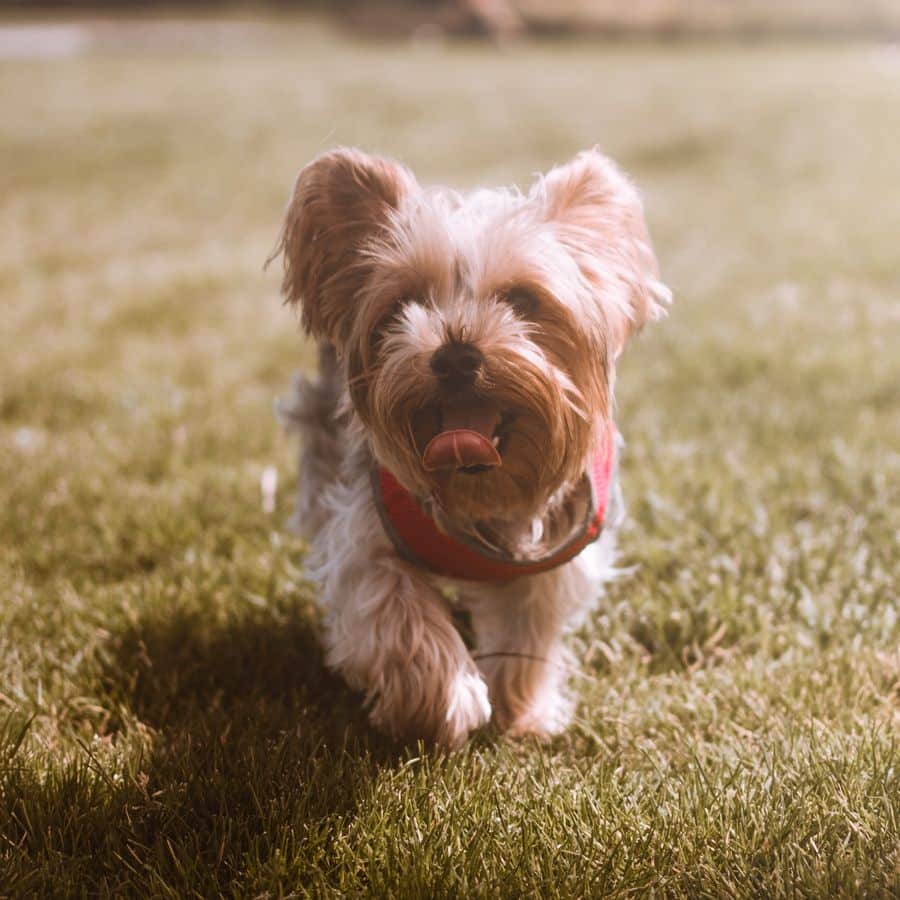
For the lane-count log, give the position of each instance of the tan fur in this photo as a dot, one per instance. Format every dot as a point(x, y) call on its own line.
point(547, 285)
point(340, 201)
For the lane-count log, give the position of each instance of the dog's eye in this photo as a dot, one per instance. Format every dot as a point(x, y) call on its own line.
point(396, 309)
point(388, 322)
point(524, 304)
point(391, 315)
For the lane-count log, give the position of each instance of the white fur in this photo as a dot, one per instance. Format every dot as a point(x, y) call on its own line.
point(388, 627)
point(386, 274)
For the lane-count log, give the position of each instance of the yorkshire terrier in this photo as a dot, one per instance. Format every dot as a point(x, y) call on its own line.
point(458, 444)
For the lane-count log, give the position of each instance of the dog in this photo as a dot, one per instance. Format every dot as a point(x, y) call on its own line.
point(458, 445)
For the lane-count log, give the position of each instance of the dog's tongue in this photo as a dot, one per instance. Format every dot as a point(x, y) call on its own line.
point(467, 438)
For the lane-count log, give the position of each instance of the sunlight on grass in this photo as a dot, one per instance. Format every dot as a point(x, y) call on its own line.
point(166, 723)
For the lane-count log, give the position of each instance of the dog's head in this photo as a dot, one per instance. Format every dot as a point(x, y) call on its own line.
point(479, 332)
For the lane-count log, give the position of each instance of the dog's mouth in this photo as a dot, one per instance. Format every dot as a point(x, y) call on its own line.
point(469, 436)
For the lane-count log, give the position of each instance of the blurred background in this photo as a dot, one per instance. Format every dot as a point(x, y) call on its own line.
point(151, 601)
point(505, 19)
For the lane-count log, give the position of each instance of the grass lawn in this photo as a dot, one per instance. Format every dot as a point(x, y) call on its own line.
point(166, 724)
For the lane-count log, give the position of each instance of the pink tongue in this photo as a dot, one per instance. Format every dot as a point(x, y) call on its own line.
point(458, 449)
point(466, 440)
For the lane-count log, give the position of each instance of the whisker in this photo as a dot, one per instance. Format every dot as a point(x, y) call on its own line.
point(363, 376)
point(572, 670)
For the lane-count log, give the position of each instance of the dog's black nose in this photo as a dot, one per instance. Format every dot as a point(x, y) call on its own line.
point(456, 364)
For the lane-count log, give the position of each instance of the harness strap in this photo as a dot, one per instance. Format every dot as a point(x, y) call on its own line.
point(418, 539)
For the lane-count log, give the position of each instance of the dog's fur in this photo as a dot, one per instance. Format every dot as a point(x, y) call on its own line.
point(548, 285)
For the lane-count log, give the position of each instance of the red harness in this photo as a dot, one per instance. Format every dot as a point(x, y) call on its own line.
point(419, 540)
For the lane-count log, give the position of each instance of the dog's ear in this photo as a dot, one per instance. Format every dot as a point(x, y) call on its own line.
point(598, 216)
point(341, 202)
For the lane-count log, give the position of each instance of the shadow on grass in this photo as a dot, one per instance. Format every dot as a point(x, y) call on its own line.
point(240, 749)
point(179, 669)
point(236, 764)
point(256, 679)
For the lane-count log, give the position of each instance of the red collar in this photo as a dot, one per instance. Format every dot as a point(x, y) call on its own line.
point(419, 540)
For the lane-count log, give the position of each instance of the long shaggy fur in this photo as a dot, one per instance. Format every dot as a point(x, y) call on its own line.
point(546, 286)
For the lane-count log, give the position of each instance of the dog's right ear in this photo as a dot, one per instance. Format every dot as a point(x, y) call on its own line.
point(341, 202)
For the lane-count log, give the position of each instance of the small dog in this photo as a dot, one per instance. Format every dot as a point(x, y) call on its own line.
point(458, 445)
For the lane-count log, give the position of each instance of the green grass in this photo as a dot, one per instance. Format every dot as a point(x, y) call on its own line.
point(166, 724)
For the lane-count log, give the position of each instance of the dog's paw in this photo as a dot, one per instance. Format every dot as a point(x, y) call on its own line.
point(528, 700)
point(549, 716)
point(468, 707)
point(440, 712)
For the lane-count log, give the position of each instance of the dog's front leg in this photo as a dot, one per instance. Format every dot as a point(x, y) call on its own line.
point(518, 630)
point(389, 633)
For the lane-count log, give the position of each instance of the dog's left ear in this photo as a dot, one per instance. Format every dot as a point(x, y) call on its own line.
point(598, 216)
